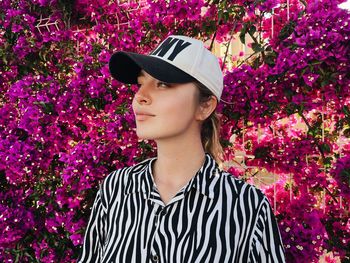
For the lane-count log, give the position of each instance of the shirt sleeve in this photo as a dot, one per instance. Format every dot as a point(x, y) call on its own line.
point(267, 243)
point(94, 235)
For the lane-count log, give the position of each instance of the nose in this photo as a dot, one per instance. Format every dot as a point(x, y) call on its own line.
point(142, 96)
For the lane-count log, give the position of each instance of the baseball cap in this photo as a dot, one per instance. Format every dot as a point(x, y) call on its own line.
point(178, 59)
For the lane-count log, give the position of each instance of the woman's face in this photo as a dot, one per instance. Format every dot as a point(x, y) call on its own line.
point(164, 110)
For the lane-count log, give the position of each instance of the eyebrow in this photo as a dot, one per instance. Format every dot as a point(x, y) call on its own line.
point(142, 73)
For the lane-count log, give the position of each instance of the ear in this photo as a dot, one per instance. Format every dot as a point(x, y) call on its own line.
point(206, 108)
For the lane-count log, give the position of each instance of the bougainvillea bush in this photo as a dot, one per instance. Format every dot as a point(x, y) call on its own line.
point(65, 124)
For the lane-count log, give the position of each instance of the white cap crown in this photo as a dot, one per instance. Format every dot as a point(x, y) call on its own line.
point(192, 57)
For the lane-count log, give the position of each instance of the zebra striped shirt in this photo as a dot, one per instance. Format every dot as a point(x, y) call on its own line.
point(214, 218)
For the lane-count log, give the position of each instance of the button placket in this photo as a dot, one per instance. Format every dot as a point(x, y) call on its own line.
point(156, 221)
point(159, 212)
point(157, 216)
point(155, 258)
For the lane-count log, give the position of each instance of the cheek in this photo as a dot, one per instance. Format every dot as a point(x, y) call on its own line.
point(135, 105)
point(178, 110)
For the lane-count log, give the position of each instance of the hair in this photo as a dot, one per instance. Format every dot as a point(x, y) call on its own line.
point(210, 130)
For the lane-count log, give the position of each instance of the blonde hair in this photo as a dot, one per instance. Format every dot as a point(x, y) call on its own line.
point(210, 131)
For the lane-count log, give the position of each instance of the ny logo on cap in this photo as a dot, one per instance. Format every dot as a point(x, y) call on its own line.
point(167, 44)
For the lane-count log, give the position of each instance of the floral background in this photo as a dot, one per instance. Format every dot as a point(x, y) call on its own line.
point(65, 124)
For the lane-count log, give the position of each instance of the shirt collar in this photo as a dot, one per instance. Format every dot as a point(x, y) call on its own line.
point(205, 180)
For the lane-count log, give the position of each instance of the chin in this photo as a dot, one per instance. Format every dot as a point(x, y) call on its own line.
point(158, 133)
point(145, 136)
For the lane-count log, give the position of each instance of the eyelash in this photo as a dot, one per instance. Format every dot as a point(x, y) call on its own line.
point(159, 84)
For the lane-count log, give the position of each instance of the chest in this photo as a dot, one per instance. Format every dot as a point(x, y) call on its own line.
point(190, 228)
point(166, 193)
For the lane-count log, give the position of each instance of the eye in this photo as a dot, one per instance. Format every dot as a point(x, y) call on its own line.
point(138, 85)
point(163, 84)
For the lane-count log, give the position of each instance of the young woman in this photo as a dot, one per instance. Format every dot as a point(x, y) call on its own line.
point(179, 206)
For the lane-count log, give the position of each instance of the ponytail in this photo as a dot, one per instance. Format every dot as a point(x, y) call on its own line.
point(210, 132)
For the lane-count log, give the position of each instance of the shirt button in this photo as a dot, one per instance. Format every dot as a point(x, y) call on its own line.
point(155, 258)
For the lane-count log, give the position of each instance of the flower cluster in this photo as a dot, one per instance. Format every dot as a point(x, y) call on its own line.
point(301, 224)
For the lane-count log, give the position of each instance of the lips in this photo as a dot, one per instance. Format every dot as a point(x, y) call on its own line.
point(142, 115)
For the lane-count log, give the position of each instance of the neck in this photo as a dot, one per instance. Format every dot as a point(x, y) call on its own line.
point(178, 160)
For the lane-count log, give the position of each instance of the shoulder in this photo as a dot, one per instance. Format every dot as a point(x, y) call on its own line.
point(122, 174)
point(242, 190)
point(125, 172)
point(118, 180)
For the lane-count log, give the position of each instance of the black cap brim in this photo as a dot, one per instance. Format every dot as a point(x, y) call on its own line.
point(126, 66)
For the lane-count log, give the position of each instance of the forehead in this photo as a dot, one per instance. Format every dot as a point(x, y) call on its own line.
point(187, 87)
point(144, 74)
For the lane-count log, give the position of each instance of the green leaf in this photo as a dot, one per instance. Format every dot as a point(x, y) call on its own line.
point(262, 153)
point(220, 13)
point(324, 83)
point(287, 30)
point(232, 115)
point(346, 133)
point(270, 58)
point(235, 115)
point(257, 47)
point(252, 30)
point(345, 172)
point(288, 93)
point(325, 147)
point(327, 162)
point(300, 108)
point(293, 46)
point(225, 143)
point(289, 110)
point(242, 33)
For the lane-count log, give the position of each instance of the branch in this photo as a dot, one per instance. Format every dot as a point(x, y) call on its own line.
point(246, 59)
point(304, 3)
point(214, 36)
point(228, 46)
point(253, 37)
point(330, 193)
point(212, 40)
point(309, 127)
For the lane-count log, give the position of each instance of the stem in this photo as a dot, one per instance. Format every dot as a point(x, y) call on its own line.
point(242, 62)
point(214, 36)
point(253, 37)
point(212, 40)
point(330, 193)
point(304, 3)
point(254, 174)
point(228, 46)
point(309, 127)
point(260, 25)
point(322, 153)
point(260, 37)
